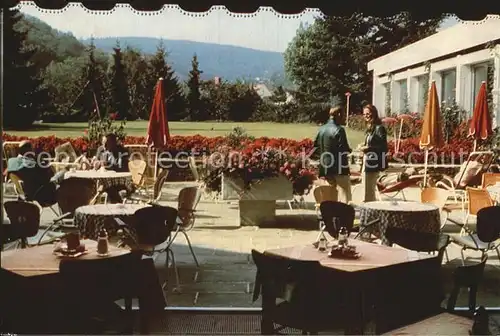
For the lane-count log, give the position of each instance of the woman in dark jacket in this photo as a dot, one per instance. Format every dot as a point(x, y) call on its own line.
point(375, 151)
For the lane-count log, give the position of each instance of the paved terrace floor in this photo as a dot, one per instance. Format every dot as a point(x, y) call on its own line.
point(226, 274)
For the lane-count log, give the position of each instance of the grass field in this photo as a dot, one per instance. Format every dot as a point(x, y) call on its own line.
point(210, 129)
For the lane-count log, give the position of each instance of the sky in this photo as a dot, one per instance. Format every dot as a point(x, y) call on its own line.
point(264, 30)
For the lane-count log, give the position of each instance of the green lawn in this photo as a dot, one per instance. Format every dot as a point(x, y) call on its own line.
point(211, 129)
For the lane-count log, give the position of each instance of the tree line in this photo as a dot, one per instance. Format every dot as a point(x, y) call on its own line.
point(324, 60)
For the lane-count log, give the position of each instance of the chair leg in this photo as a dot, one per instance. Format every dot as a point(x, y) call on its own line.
point(177, 288)
point(472, 298)
point(452, 300)
point(290, 205)
point(191, 248)
point(446, 255)
point(463, 257)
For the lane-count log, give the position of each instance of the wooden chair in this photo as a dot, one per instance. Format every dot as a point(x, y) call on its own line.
point(187, 202)
point(439, 197)
point(157, 191)
point(487, 233)
point(24, 218)
point(477, 200)
point(138, 168)
point(490, 179)
point(10, 149)
point(150, 156)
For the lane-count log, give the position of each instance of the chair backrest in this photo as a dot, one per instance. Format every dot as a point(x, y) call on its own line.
point(153, 225)
point(188, 201)
point(10, 149)
point(488, 224)
point(418, 241)
point(75, 192)
point(18, 184)
point(107, 278)
point(435, 196)
point(147, 154)
point(478, 199)
point(65, 153)
point(25, 215)
point(287, 279)
point(160, 181)
point(325, 193)
point(336, 215)
point(490, 179)
point(138, 169)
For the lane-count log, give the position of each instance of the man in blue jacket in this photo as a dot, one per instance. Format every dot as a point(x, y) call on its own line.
point(332, 147)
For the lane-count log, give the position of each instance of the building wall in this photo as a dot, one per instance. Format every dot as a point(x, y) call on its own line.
point(456, 76)
point(408, 87)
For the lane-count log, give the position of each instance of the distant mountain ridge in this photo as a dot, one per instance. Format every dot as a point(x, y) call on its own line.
point(226, 61)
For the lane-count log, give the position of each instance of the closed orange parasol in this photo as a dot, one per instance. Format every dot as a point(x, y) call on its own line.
point(432, 132)
point(480, 125)
point(158, 132)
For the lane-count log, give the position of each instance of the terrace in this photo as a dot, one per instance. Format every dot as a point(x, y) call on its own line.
point(225, 279)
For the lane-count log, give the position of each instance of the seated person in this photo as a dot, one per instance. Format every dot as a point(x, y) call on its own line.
point(115, 157)
point(39, 181)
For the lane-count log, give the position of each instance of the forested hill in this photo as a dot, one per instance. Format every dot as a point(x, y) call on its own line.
point(228, 62)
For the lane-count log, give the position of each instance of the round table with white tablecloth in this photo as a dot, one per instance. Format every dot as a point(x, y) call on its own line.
point(415, 216)
point(106, 178)
point(89, 219)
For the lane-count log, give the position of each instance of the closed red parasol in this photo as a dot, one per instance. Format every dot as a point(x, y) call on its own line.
point(480, 125)
point(158, 131)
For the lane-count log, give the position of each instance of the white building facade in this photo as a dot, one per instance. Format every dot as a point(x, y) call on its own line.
point(457, 59)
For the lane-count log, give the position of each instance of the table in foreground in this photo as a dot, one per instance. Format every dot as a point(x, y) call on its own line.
point(398, 283)
point(40, 260)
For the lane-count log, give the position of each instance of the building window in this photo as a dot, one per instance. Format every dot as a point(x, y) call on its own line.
point(422, 90)
point(479, 75)
point(448, 85)
point(402, 96)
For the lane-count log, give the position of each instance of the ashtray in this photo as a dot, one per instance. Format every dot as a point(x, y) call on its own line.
point(346, 252)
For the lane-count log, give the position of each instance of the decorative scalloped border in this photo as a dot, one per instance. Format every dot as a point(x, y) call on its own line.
point(169, 7)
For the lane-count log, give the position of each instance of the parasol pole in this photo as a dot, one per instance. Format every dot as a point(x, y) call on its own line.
point(398, 143)
point(426, 162)
point(348, 95)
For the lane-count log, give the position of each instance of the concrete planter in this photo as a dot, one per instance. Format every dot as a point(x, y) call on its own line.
point(258, 203)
